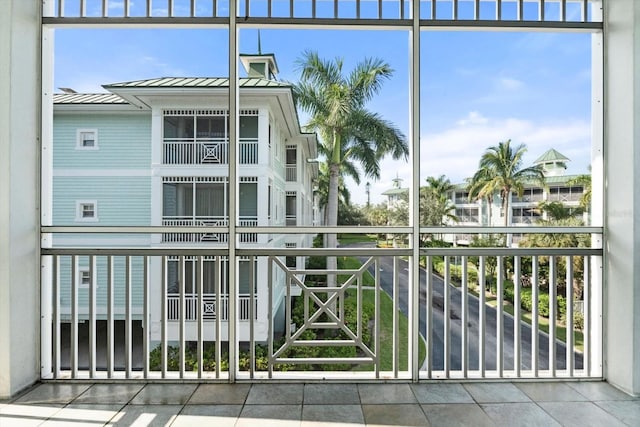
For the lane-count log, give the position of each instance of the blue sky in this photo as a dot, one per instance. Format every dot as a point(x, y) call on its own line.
point(477, 88)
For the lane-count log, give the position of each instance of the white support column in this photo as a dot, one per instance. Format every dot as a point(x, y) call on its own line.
point(622, 195)
point(19, 195)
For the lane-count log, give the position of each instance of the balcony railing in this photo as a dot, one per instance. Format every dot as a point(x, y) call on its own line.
point(474, 313)
point(564, 11)
point(208, 306)
point(291, 173)
point(209, 152)
point(206, 221)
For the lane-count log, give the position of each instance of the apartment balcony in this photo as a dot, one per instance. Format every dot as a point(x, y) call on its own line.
point(207, 152)
point(206, 221)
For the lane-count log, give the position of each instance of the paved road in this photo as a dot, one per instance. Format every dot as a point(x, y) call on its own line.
point(473, 326)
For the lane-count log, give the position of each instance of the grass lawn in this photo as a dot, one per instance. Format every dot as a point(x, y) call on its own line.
point(543, 323)
point(346, 239)
point(386, 325)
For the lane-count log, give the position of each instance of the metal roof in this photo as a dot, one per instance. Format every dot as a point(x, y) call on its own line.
point(395, 191)
point(551, 155)
point(87, 98)
point(195, 82)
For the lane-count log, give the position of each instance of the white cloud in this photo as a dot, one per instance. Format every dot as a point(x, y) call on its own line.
point(473, 118)
point(455, 152)
point(509, 83)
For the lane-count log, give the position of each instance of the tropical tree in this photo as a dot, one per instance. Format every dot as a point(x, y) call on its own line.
point(500, 170)
point(322, 190)
point(556, 211)
point(435, 205)
point(480, 187)
point(584, 181)
point(348, 132)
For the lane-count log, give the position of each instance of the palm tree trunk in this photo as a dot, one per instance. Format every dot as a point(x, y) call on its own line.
point(332, 219)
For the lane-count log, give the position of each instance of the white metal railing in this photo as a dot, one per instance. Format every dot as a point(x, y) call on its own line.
point(206, 221)
point(475, 313)
point(208, 306)
point(213, 152)
point(291, 173)
point(493, 10)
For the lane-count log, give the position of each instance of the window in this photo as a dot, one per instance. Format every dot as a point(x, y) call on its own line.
point(87, 139)
point(86, 210)
point(291, 261)
point(83, 277)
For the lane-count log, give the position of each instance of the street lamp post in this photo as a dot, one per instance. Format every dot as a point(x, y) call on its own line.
point(368, 187)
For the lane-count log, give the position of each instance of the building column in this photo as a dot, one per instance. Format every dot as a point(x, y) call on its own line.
point(622, 194)
point(19, 195)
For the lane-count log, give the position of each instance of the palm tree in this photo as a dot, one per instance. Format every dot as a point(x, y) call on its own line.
point(436, 194)
point(349, 133)
point(500, 170)
point(479, 187)
point(440, 186)
point(585, 182)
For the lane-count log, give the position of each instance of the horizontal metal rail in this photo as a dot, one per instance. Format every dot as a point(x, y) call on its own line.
point(501, 11)
point(322, 229)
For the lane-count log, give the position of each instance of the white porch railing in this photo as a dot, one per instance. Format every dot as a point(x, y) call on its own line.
point(291, 173)
point(209, 310)
point(206, 221)
point(474, 313)
point(214, 152)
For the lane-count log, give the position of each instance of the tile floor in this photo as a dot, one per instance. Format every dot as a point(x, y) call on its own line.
point(316, 404)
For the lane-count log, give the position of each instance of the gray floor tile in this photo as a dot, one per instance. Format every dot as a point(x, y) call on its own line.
point(496, 393)
point(164, 394)
point(110, 393)
point(394, 415)
point(27, 415)
point(580, 414)
point(551, 392)
point(599, 391)
point(328, 394)
point(146, 415)
point(626, 410)
point(335, 415)
point(78, 414)
point(456, 414)
point(270, 415)
point(16, 421)
point(53, 393)
point(224, 394)
point(518, 415)
point(373, 394)
point(275, 394)
point(441, 393)
point(208, 415)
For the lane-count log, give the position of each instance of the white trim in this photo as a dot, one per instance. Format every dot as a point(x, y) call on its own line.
point(79, 210)
point(80, 141)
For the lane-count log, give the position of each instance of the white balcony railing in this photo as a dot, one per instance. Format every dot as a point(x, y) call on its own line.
point(206, 221)
point(209, 310)
point(291, 173)
point(213, 152)
point(474, 313)
point(563, 11)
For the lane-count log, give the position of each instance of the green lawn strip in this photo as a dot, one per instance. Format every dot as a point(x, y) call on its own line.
point(386, 325)
point(543, 323)
point(346, 239)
